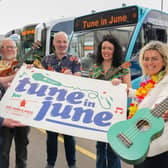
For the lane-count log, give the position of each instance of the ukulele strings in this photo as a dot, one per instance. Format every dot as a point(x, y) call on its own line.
point(132, 132)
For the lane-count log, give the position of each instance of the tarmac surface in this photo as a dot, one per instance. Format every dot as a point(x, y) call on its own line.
point(86, 157)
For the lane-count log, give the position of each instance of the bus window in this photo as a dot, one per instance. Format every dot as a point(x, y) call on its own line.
point(27, 39)
point(65, 26)
point(161, 35)
point(153, 32)
point(156, 25)
point(84, 45)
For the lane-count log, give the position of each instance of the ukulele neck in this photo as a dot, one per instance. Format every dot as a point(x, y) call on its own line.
point(160, 108)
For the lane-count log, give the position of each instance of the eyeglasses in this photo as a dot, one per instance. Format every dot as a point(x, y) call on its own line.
point(9, 47)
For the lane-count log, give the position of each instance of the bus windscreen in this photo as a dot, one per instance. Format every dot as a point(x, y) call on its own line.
point(121, 16)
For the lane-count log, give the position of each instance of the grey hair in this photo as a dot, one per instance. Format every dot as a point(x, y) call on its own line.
point(61, 32)
point(6, 39)
point(160, 47)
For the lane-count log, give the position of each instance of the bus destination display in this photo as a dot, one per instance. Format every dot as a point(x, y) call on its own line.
point(122, 16)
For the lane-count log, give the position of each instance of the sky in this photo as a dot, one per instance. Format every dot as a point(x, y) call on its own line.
point(17, 13)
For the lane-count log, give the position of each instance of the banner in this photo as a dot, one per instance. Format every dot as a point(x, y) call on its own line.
point(63, 103)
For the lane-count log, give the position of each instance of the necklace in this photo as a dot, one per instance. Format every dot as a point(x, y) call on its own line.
point(142, 91)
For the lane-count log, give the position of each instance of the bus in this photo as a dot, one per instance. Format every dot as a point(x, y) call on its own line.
point(27, 35)
point(14, 31)
point(134, 26)
point(44, 33)
point(24, 38)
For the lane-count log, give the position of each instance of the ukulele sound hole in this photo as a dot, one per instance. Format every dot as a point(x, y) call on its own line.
point(143, 125)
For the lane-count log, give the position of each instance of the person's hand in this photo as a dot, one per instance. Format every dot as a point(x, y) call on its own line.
point(165, 115)
point(11, 123)
point(36, 45)
point(116, 81)
point(68, 71)
point(7, 80)
point(8, 84)
point(28, 66)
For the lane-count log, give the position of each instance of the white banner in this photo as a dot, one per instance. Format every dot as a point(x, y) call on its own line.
point(66, 104)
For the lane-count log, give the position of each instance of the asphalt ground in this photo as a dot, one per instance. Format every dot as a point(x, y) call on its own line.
point(86, 157)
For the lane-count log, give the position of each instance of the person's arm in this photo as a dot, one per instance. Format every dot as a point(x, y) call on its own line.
point(76, 69)
point(6, 80)
point(10, 123)
point(125, 77)
point(68, 71)
point(77, 73)
point(127, 80)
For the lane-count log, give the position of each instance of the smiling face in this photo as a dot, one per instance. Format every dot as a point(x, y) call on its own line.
point(60, 43)
point(9, 50)
point(152, 62)
point(107, 50)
